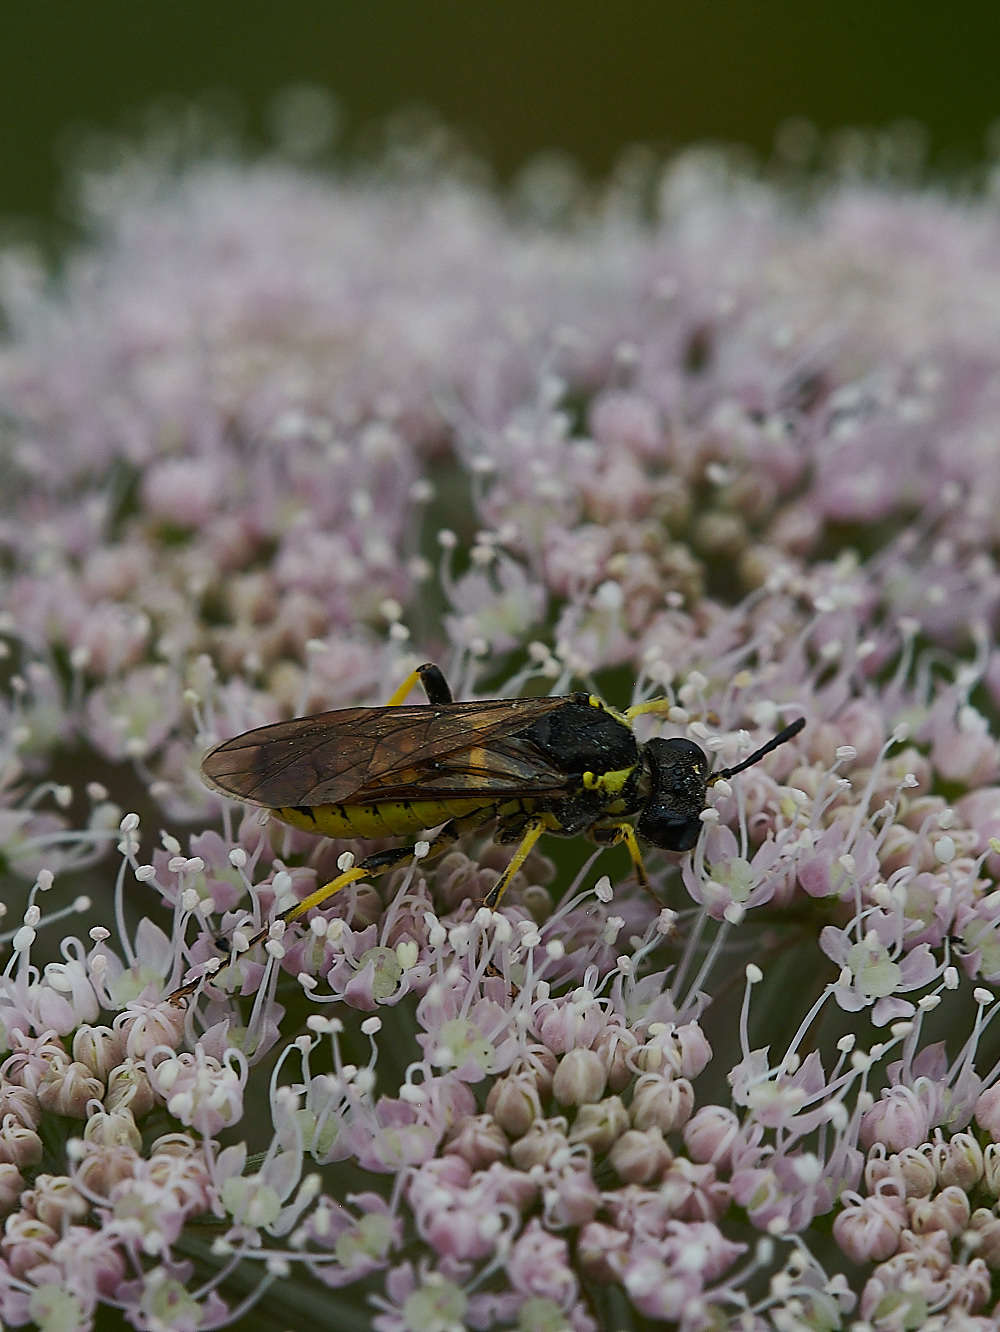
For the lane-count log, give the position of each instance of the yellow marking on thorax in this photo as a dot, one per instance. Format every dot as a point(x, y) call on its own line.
point(611, 782)
point(391, 818)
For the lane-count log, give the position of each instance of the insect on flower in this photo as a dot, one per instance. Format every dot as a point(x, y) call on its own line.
point(528, 766)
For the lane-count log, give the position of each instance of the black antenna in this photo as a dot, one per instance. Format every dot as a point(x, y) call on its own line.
point(792, 729)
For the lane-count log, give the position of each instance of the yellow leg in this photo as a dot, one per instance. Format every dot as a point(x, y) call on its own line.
point(405, 689)
point(379, 863)
point(660, 705)
point(434, 684)
point(632, 843)
point(316, 898)
point(533, 830)
point(624, 832)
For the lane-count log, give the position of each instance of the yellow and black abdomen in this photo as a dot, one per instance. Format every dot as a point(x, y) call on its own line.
point(389, 818)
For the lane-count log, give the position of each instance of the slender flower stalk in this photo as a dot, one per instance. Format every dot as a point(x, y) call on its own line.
point(274, 438)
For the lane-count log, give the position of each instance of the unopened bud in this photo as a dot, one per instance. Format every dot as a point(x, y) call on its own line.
point(683, 1051)
point(596, 1245)
point(478, 1139)
point(100, 1048)
point(129, 1088)
point(55, 1201)
point(640, 1156)
point(986, 1228)
point(144, 1029)
point(574, 1199)
point(12, 1185)
point(614, 1045)
point(663, 1103)
point(991, 1168)
point(21, 1145)
point(710, 1134)
point(600, 1124)
point(898, 1119)
point(917, 1172)
point(103, 1168)
point(113, 1130)
point(514, 1104)
point(22, 1103)
point(543, 1140)
point(67, 1089)
point(958, 1162)
point(870, 1230)
point(580, 1078)
point(988, 1112)
point(948, 1211)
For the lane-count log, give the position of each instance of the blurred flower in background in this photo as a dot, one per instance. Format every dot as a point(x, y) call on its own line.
point(271, 438)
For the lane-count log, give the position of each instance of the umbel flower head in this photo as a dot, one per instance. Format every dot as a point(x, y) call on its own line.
point(271, 439)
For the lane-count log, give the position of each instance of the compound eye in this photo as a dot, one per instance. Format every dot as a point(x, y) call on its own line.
point(668, 831)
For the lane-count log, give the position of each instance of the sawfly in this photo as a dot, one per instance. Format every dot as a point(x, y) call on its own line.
point(527, 766)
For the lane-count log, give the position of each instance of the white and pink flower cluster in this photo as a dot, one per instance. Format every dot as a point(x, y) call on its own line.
point(273, 438)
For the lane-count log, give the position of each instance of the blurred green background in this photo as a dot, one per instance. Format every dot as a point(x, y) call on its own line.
point(512, 76)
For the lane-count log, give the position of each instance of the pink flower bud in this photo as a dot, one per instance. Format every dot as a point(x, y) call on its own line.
point(22, 1104)
point(55, 1201)
point(710, 1133)
point(540, 1143)
point(980, 811)
point(868, 1230)
point(598, 1125)
point(933, 1249)
point(640, 1156)
point(565, 1026)
point(692, 1192)
point(987, 1230)
point(580, 1078)
point(184, 491)
point(896, 849)
point(144, 1028)
point(988, 1111)
point(11, 1186)
point(538, 1264)
point(514, 1103)
point(877, 1166)
point(68, 1089)
point(682, 1051)
point(598, 1249)
point(916, 1170)
point(614, 1045)
point(512, 1187)
point(479, 1139)
point(100, 1048)
point(541, 1064)
point(30, 1061)
point(21, 1145)
point(948, 1211)
point(663, 1103)
point(958, 1162)
point(898, 1119)
point(620, 417)
point(113, 1130)
point(966, 757)
point(104, 1167)
point(572, 1199)
point(129, 1088)
point(862, 725)
point(969, 1286)
point(991, 1168)
point(27, 1241)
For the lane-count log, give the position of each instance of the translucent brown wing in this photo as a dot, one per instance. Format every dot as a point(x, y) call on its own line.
point(370, 755)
